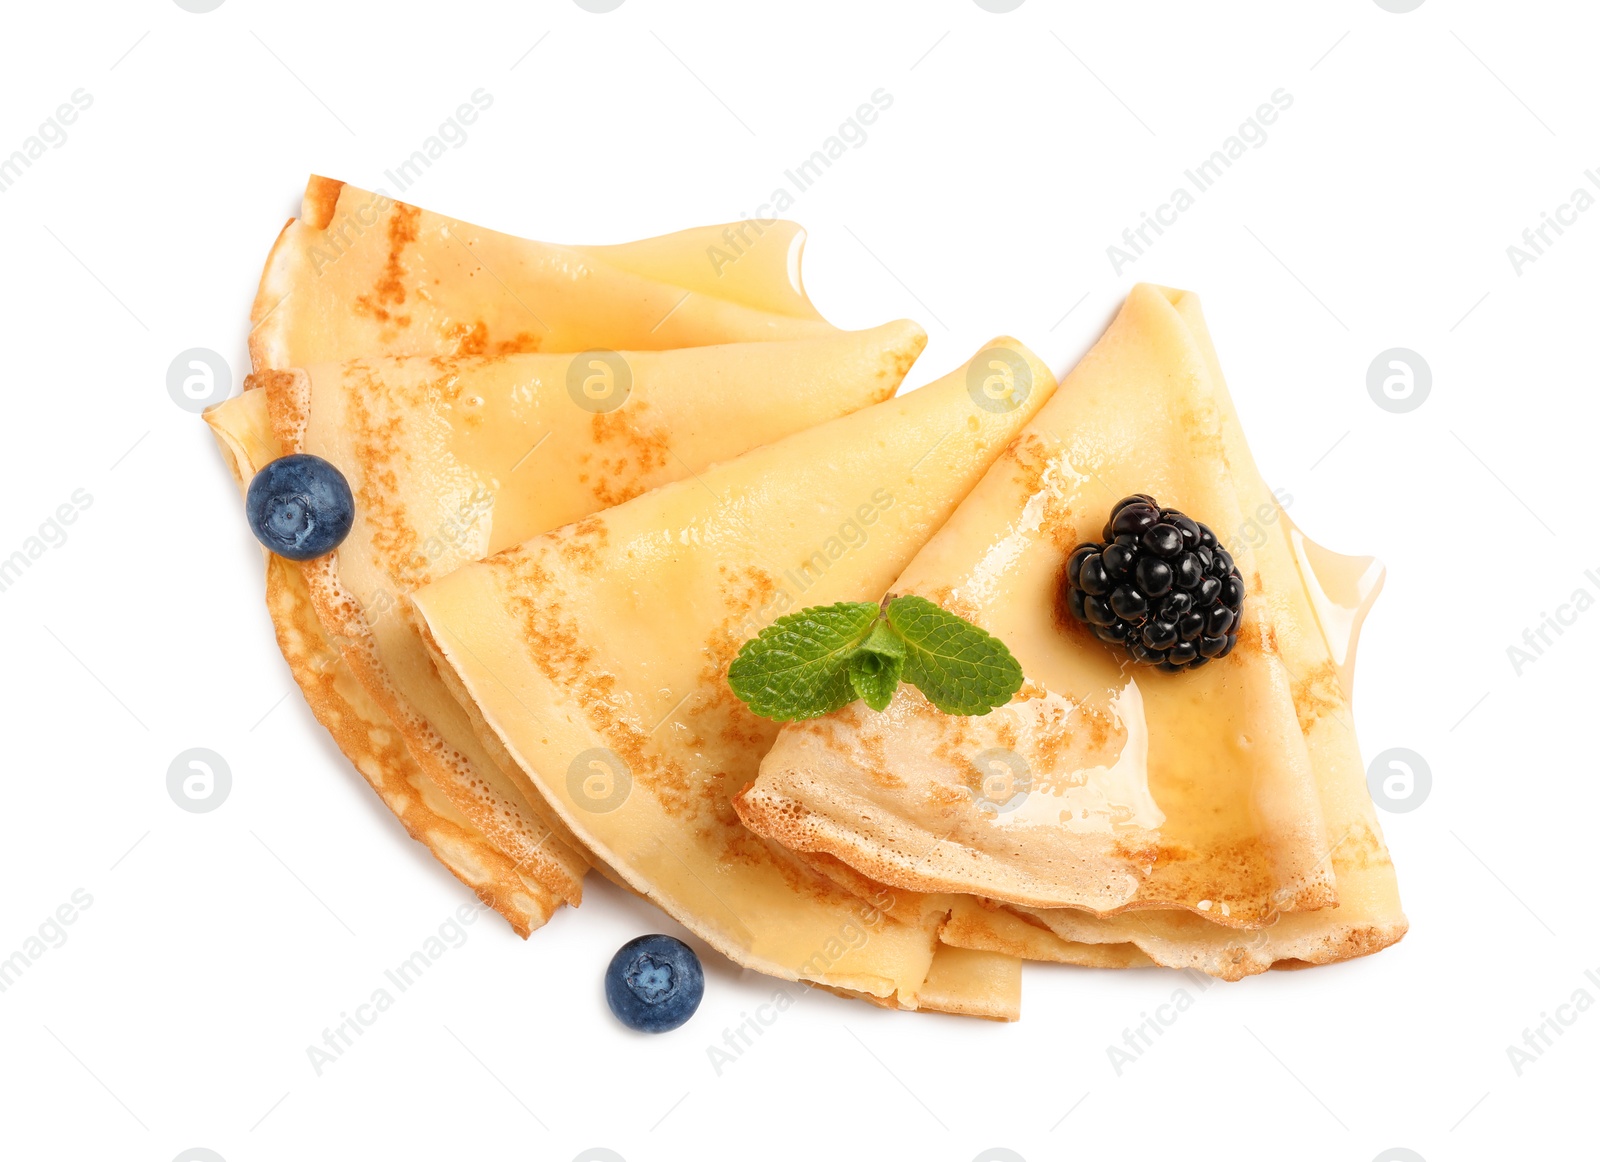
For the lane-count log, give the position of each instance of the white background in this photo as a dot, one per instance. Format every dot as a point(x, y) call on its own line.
point(178, 1010)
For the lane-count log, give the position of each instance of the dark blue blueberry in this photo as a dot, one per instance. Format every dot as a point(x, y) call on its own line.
point(300, 507)
point(654, 983)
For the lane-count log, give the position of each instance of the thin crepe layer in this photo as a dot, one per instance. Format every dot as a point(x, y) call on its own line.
point(358, 725)
point(1191, 790)
point(359, 274)
point(451, 460)
point(607, 642)
point(1321, 589)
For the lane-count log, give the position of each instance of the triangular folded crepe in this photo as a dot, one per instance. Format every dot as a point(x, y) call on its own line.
point(1201, 805)
point(361, 274)
point(359, 727)
point(597, 657)
point(451, 459)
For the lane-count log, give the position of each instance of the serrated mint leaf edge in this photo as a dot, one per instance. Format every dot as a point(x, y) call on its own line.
point(925, 670)
point(832, 689)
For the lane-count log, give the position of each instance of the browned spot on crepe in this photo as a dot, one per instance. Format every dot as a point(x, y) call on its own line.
point(389, 289)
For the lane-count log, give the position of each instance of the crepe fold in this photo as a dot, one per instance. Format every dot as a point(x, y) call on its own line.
point(360, 274)
point(595, 656)
point(1217, 818)
point(452, 455)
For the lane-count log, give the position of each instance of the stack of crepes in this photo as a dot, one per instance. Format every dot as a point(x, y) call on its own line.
point(584, 476)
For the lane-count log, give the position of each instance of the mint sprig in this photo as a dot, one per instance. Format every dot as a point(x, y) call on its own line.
point(959, 667)
point(815, 661)
point(876, 665)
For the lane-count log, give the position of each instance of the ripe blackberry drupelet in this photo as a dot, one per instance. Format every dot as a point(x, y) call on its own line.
point(1162, 588)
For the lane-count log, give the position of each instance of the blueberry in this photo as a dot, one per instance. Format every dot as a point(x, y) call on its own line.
point(300, 507)
point(654, 983)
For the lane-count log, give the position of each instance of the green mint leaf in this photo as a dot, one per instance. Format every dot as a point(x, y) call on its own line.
point(875, 667)
point(957, 666)
point(798, 667)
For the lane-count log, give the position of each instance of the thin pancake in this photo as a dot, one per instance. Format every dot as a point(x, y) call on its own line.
point(607, 643)
point(358, 725)
point(359, 274)
point(1131, 788)
point(453, 459)
point(823, 786)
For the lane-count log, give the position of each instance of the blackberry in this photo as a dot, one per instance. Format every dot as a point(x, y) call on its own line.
point(1161, 587)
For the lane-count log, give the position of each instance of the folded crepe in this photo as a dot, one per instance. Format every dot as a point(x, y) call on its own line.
point(1216, 818)
point(450, 459)
point(360, 274)
point(596, 656)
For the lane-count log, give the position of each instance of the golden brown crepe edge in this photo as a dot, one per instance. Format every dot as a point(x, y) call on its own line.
point(365, 736)
point(555, 859)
